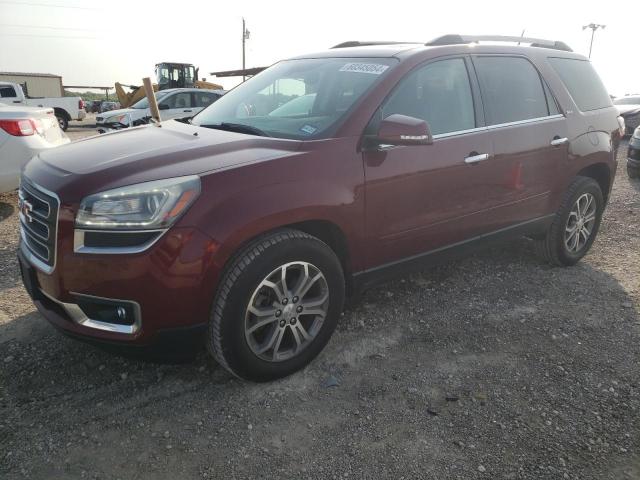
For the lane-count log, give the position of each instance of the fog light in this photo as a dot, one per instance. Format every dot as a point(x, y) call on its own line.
point(106, 310)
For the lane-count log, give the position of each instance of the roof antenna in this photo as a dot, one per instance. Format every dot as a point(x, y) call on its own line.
point(522, 34)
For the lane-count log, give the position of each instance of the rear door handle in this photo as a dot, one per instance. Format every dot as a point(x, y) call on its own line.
point(557, 141)
point(476, 158)
point(186, 110)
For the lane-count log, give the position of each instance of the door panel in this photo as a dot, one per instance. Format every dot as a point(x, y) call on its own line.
point(527, 165)
point(424, 197)
point(523, 120)
point(419, 198)
point(180, 105)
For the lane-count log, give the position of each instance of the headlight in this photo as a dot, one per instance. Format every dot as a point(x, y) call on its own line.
point(145, 206)
point(124, 118)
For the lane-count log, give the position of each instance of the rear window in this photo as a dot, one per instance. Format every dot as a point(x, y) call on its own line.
point(583, 83)
point(7, 92)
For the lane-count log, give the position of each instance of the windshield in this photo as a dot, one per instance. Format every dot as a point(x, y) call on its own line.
point(297, 99)
point(627, 101)
point(144, 103)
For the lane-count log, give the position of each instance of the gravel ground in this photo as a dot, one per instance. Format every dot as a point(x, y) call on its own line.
point(495, 366)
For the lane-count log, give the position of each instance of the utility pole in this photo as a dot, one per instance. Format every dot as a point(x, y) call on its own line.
point(245, 37)
point(593, 27)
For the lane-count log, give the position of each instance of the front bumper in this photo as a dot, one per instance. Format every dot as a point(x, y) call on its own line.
point(166, 290)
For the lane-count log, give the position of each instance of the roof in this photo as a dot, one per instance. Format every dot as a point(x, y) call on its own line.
point(23, 74)
point(447, 43)
point(370, 50)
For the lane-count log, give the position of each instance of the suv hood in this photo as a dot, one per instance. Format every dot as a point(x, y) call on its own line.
point(147, 153)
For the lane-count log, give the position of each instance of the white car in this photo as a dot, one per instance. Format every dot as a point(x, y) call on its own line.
point(173, 103)
point(629, 108)
point(25, 131)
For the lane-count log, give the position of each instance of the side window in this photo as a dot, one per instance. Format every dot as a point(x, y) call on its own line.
point(583, 83)
point(179, 100)
point(511, 89)
point(205, 99)
point(439, 93)
point(7, 92)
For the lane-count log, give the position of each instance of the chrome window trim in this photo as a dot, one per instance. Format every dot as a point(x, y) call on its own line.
point(459, 132)
point(79, 317)
point(524, 122)
point(498, 125)
point(31, 257)
point(79, 246)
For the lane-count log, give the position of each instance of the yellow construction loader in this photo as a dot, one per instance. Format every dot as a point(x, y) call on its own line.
point(168, 75)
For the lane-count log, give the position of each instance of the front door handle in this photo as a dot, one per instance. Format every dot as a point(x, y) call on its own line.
point(186, 110)
point(475, 157)
point(557, 141)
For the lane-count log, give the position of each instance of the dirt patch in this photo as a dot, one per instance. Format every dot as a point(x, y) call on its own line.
point(496, 366)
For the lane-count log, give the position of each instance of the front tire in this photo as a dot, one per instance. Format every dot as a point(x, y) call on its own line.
point(633, 172)
point(576, 224)
point(277, 305)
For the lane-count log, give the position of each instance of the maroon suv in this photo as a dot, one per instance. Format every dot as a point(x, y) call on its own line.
point(248, 224)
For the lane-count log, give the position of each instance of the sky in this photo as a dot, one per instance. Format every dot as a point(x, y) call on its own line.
point(91, 42)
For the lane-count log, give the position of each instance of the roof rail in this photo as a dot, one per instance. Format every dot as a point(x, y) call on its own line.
point(356, 43)
point(455, 39)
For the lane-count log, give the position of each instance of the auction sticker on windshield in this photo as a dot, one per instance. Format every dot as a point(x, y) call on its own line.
point(373, 68)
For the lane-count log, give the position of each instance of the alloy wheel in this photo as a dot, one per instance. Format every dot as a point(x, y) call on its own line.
point(580, 223)
point(286, 311)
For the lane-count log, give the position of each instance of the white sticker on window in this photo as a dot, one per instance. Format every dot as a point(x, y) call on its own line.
point(308, 129)
point(373, 68)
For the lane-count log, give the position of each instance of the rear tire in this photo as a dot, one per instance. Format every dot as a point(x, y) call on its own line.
point(575, 225)
point(63, 122)
point(270, 317)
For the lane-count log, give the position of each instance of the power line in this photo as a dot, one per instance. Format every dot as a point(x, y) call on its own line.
point(46, 36)
point(42, 26)
point(33, 4)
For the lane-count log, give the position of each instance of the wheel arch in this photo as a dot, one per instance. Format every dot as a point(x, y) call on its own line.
point(601, 173)
point(61, 112)
point(325, 230)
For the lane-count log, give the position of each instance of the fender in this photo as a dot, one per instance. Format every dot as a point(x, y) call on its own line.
point(239, 204)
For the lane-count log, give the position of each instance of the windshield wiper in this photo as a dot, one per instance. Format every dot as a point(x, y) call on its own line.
point(237, 127)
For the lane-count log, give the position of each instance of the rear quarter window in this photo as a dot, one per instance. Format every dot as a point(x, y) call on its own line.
point(582, 82)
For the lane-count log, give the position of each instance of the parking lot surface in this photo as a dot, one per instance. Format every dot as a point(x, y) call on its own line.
point(494, 366)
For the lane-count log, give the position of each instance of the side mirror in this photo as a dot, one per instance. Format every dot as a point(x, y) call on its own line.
point(163, 106)
point(399, 129)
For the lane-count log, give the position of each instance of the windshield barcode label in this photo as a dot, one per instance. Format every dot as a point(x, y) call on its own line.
point(373, 68)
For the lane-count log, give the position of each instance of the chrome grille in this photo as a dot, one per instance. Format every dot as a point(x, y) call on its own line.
point(38, 211)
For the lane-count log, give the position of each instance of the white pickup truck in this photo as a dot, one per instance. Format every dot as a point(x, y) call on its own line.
point(65, 108)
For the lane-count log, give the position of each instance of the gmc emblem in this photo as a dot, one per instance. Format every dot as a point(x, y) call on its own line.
point(25, 209)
